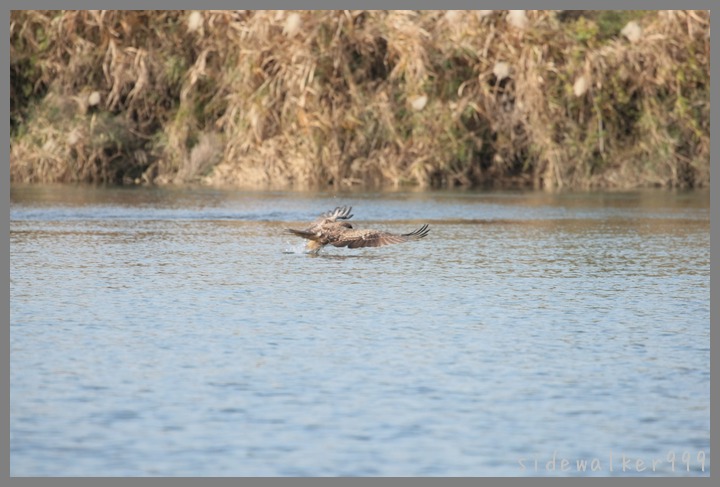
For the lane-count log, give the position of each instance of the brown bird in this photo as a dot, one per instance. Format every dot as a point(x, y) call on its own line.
point(327, 229)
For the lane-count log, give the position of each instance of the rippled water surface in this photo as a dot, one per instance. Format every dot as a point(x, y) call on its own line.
point(181, 332)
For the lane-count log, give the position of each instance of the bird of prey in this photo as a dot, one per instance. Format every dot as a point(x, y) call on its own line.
point(333, 228)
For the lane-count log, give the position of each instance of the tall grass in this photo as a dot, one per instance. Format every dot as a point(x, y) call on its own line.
point(548, 99)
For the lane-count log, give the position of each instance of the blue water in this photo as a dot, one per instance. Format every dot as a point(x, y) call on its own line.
point(181, 332)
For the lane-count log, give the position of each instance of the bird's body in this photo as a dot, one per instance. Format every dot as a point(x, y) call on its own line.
point(331, 228)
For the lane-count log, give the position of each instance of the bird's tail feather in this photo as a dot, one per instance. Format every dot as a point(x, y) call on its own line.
point(303, 234)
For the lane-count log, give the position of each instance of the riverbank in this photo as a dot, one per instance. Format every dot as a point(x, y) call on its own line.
point(544, 99)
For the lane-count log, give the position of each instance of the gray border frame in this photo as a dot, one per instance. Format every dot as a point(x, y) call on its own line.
point(324, 4)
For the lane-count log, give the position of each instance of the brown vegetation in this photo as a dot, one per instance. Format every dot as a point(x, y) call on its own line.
point(551, 99)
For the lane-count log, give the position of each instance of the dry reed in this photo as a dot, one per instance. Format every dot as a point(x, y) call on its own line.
point(550, 99)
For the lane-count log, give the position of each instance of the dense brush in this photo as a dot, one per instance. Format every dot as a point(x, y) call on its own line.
point(543, 98)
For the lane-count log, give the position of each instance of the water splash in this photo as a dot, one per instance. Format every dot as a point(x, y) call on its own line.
point(295, 248)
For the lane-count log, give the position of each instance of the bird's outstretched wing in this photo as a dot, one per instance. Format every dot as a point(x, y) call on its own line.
point(354, 239)
point(339, 213)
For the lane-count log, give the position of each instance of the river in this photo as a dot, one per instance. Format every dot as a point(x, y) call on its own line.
point(181, 332)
